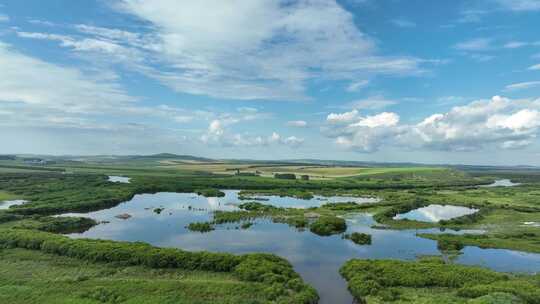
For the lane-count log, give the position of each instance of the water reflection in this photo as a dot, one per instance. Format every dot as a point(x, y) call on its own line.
point(7, 204)
point(119, 179)
point(502, 183)
point(435, 213)
point(316, 258)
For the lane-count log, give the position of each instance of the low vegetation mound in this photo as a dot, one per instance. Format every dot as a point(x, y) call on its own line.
point(285, 176)
point(200, 227)
point(210, 192)
point(328, 225)
point(386, 280)
point(359, 238)
point(284, 284)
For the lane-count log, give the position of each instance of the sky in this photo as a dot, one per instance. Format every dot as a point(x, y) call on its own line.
point(367, 80)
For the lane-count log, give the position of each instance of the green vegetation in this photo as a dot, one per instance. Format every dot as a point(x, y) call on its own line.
point(283, 284)
point(246, 225)
point(210, 192)
point(523, 241)
point(172, 276)
point(328, 225)
point(34, 277)
point(434, 281)
point(359, 238)
point(285, 176)
point(201, 227)
point(4, 196)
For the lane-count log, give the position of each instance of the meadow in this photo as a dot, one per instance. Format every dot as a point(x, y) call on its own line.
point(123, 272)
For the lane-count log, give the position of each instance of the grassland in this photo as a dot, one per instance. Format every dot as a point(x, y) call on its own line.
point(4, 196)
point(431, 280)
point(69, 186)
point(28, 277)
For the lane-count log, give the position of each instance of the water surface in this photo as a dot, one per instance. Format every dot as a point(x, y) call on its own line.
point(316, 258)
point(435, 213)
point(119, 179)
point(7, 204)
point(502, 183)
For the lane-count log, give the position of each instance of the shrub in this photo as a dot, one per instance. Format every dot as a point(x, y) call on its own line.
point(210, 192)
point(328, 225)
point(246, 225)
point(449, 245)
point(265, 268)
point(284, 176)
point(377, 277)
point(359, 238)
point(200, 227)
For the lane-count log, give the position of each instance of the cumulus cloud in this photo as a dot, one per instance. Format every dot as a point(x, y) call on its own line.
point(499, 122)
point(342, 118)
point(218, 134)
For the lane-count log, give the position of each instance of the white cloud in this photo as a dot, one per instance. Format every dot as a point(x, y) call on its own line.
point(218, 134)
point(522, 86)
point(343, 118)
point(515, 44)
point(52, 86)
point(478, 44)
point(385, 119)
point(481, 57)
point(297, 123)
point(375, 102)
point(357, 85)
point(535, 67)
point(403, 23)
point(499, 122)
point(4, 18)
point(520, 5)
point(471, 16)
point(243, 49)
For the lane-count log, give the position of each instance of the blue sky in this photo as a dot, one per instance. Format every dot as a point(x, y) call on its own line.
point(394, 80)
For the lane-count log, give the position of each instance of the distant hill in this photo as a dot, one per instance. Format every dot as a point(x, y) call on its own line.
point(171, 156)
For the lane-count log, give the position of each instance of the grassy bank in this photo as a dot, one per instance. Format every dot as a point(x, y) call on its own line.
point(274, 275)
point(433, 281)
point(33, 277)
point(524, 241)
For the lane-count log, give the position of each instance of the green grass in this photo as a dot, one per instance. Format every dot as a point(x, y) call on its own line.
point(432, 280)
point(524, 241)
point(28, 277)
point(4, 196)
point(281, 282)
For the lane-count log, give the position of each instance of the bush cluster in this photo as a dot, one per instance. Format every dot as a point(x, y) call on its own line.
point(200, 227)
point(376, 277)
point(285, 176)
point(359, 238)
point(272, 270)
point(328, 225)
point(210, 192)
